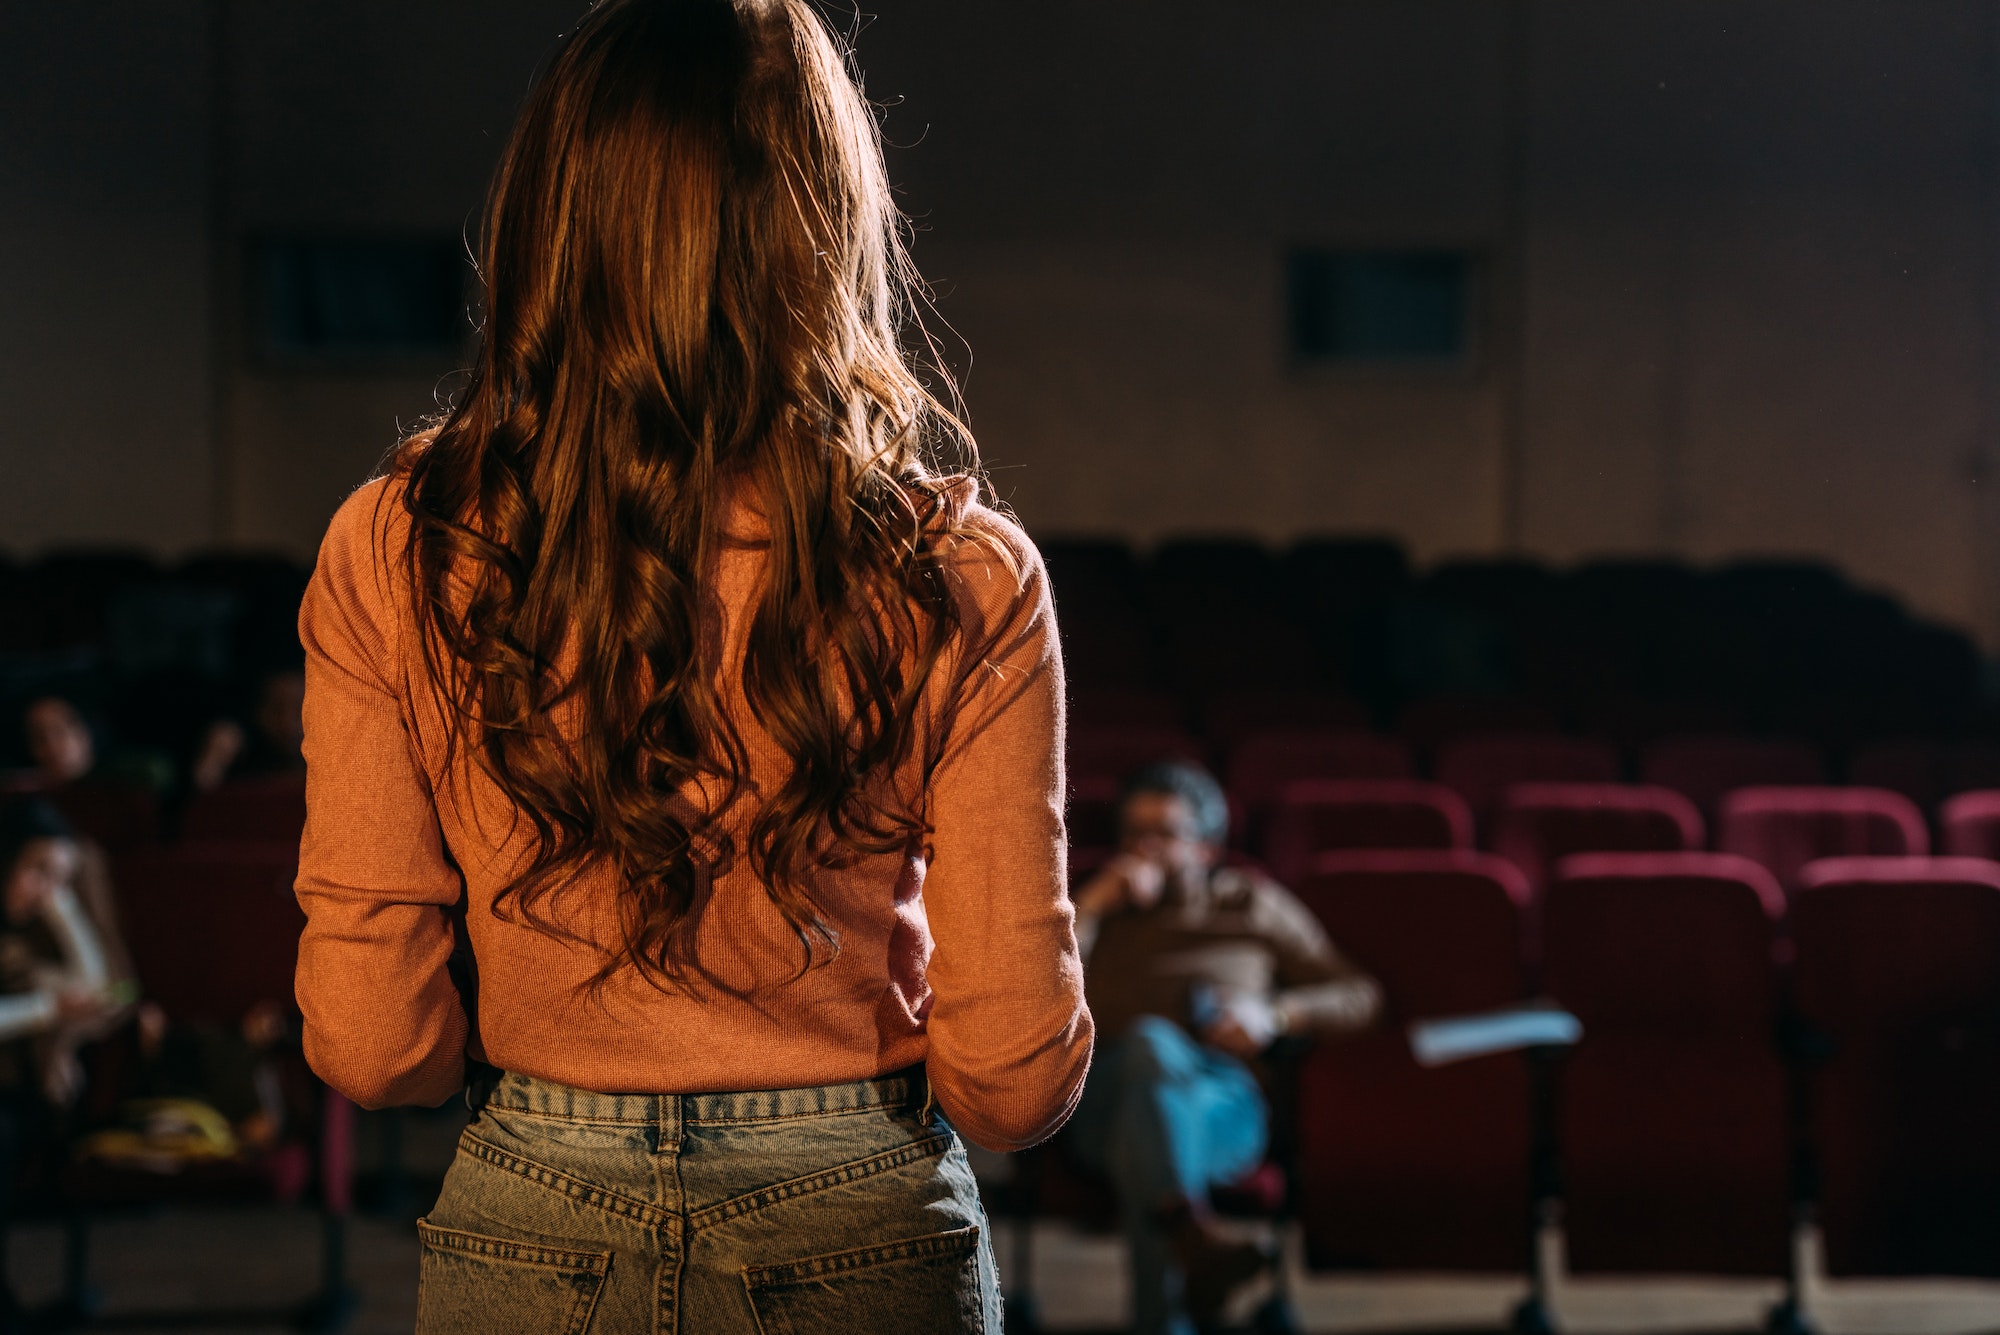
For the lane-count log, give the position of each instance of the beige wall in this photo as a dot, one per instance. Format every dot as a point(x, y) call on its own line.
point(1757, 241)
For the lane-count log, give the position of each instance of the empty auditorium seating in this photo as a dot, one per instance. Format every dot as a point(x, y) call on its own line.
point(1927, 772)
point(1898, 970)
point(1536, 825)
point(1782, 829)
point(1319, 815)
point(1480, 768)
point(268, 808)
point(1120, 752)
point(1229, 718)
point(1436, 720)
point(1969, 824)
point(1705, 766)
point(1671, 1112)
point(1401, 1166)
point(1265, 762)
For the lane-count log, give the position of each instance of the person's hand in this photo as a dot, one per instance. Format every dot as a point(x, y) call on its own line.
point(1245, 1026)
point(79, 1002)
point(219, 750)
point(1127, 881)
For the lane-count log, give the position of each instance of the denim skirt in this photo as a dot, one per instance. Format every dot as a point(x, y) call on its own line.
point(839, 1208)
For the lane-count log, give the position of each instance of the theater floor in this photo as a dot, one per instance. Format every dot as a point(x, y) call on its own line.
point(257, 1263)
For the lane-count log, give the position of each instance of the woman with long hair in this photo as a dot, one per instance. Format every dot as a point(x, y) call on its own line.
point(683, 735)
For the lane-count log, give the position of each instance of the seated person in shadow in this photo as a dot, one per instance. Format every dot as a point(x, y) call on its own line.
point(1192, 969)
point(66, 745)
point(64, 982)
point(270, 744)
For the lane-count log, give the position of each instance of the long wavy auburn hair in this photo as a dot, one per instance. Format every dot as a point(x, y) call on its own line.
point(695, 289)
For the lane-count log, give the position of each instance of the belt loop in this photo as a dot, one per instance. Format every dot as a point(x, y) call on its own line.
point(480, 1082)
point(669, 1116)
point(930, 1097)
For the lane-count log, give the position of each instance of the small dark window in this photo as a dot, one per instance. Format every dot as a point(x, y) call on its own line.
point(1380, 305)
point(359, 298)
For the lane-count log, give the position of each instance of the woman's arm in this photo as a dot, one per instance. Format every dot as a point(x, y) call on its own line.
point(1010, 1035)
point(383, 1023)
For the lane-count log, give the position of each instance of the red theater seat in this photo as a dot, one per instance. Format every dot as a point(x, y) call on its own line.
point(1969, 824)
point(1231, 719)
point(1539, 824)
point(1927, 772)
point(1317, 816)
point(1784, 828)
point(1401, 1166)
point(1704, 766)
point(1117, 753)
point(1265, 762)
point(1898, 965)
point(1479, 768)
point(1671, 1112)
point(119, 816)
point(266, 809)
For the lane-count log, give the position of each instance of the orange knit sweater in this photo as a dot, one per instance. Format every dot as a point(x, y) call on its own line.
point(959, 954)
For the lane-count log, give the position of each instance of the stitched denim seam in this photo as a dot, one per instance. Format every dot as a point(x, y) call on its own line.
point(855, 1171)
point(959, 1240)
point(504, 1249)
point(570, 1117)
point(555, 1180)
point(793, 1117)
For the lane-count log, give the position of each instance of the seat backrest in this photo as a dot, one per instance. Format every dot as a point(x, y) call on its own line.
point(1117, 753)
point(118, 815)
point(1969, 824)
point(1663, 942)
point(1927, 772)
point(1316, 816)
point(1232, 718)
point(1671, 1108)
point(1440, 930)
point(1897, 967)
point(1480, 768)
point(1884, 942)
point(1264, 763)
point(266, 809)
point(1538, 824)
point(1785, 828)
point(213, 928)
point(1704, 766)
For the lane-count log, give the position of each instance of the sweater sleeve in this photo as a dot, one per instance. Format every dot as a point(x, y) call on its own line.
point(1010, 1036)
point(383, 1023)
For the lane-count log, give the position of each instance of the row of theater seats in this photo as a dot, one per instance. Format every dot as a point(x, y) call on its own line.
point(128, 817)
point(1744, 1051)
point(1774, 644)
point(1298, 789)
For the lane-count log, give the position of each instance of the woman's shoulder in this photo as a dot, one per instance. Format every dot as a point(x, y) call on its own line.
point(368, 531)
point(992, 561)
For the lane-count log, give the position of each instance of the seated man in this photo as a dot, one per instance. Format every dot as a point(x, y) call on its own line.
point(273, 744)
point(1192, 970)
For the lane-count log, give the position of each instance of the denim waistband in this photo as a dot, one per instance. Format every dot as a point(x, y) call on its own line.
point(908, 1088)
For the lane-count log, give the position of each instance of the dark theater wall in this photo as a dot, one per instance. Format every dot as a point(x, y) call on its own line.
point(105, 428)
point(1737, 290)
